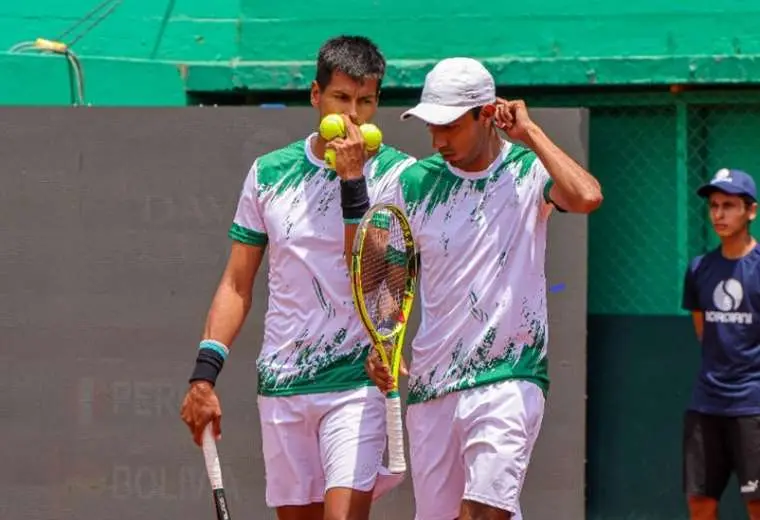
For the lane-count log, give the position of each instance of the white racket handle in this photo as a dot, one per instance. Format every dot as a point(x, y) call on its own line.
point(213, 468)
point(396, 458)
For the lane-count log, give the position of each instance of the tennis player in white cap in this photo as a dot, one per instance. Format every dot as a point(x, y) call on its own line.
point(479, 373)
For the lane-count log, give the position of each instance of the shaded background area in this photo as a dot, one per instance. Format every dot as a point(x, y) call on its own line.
point(112, 241)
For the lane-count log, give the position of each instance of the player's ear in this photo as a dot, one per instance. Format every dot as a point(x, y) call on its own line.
point(487, 113)
point(315, 94)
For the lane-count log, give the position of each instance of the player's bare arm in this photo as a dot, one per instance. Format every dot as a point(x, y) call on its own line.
point(232, 300)
point(698, 317)
point(575, 190)
point(226, 316)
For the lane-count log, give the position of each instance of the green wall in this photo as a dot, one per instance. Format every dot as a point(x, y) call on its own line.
point(150, 52)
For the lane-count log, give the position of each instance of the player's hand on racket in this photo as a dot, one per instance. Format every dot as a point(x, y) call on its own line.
point(350, 153)
point(513, 118)
point(380, 373)
point(200, 407)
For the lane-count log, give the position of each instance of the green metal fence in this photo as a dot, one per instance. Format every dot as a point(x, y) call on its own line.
point(651, 151)
point(651, 158)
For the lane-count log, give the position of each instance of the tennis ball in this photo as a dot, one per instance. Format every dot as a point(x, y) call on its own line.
point(330, 159)
point(332, 126)
point(373, 137)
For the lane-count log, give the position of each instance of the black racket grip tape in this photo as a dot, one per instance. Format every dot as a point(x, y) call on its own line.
point(220, 501)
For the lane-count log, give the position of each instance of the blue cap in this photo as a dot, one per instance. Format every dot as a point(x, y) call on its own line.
point(733, 182)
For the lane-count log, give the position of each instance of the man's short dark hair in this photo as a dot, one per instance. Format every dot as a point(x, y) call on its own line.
point(355, 56)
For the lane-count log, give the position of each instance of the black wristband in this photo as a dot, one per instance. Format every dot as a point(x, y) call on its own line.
point(354, 198)
point(208, 364)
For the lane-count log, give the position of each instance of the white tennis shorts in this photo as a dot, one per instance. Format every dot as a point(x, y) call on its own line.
point(314, 442)
point(474, 445)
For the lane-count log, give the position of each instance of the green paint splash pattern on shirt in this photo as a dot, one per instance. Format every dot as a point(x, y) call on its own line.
point(288, 168)
point(522, 159)
point(313, 362)
point(469, 368)
point(385, 161)
point(429, 183)
point(426, 186)
point(317, 367)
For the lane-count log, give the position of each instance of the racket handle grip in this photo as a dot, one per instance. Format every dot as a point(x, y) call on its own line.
point(213, 468)
point(396, 458)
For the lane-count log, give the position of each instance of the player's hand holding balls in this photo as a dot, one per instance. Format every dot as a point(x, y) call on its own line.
point(348, 145)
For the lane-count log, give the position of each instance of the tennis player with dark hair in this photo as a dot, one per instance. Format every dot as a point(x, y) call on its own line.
point(722, 291)
point(322, 419)
point(479, 210)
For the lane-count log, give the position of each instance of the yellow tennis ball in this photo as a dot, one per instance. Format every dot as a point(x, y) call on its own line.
point(330, 158)
point(373, 137)
point(332, 126)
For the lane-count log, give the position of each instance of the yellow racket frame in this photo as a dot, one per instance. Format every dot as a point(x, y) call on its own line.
point(395, 336)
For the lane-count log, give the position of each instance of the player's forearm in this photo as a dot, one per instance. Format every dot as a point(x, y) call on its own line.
point(579, 191)
point(225, 319)
point(227, 313)
point(699, 324)
point(354, 202)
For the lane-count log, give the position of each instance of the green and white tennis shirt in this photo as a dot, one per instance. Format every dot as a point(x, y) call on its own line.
point(482, 241)
point(314, 341)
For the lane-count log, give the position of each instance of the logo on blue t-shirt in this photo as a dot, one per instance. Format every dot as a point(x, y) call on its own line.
point(727, 298)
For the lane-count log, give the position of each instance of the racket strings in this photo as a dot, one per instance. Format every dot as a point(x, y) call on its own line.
point(384, 271)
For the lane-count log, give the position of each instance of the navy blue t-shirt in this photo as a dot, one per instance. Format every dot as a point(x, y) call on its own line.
point(728, 292)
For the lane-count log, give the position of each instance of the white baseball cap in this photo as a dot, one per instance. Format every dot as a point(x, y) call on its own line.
point(452, 87)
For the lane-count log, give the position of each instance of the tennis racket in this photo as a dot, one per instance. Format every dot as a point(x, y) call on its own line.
point(383, 280)
point(214, 470)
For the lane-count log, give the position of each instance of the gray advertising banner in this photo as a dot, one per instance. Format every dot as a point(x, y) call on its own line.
point(112, 240)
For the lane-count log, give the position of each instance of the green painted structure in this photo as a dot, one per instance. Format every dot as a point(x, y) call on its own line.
point(148, 52)
point(650, 145)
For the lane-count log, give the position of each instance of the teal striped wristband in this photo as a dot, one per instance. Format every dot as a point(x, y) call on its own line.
point(211, 357)
point(217, 346)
